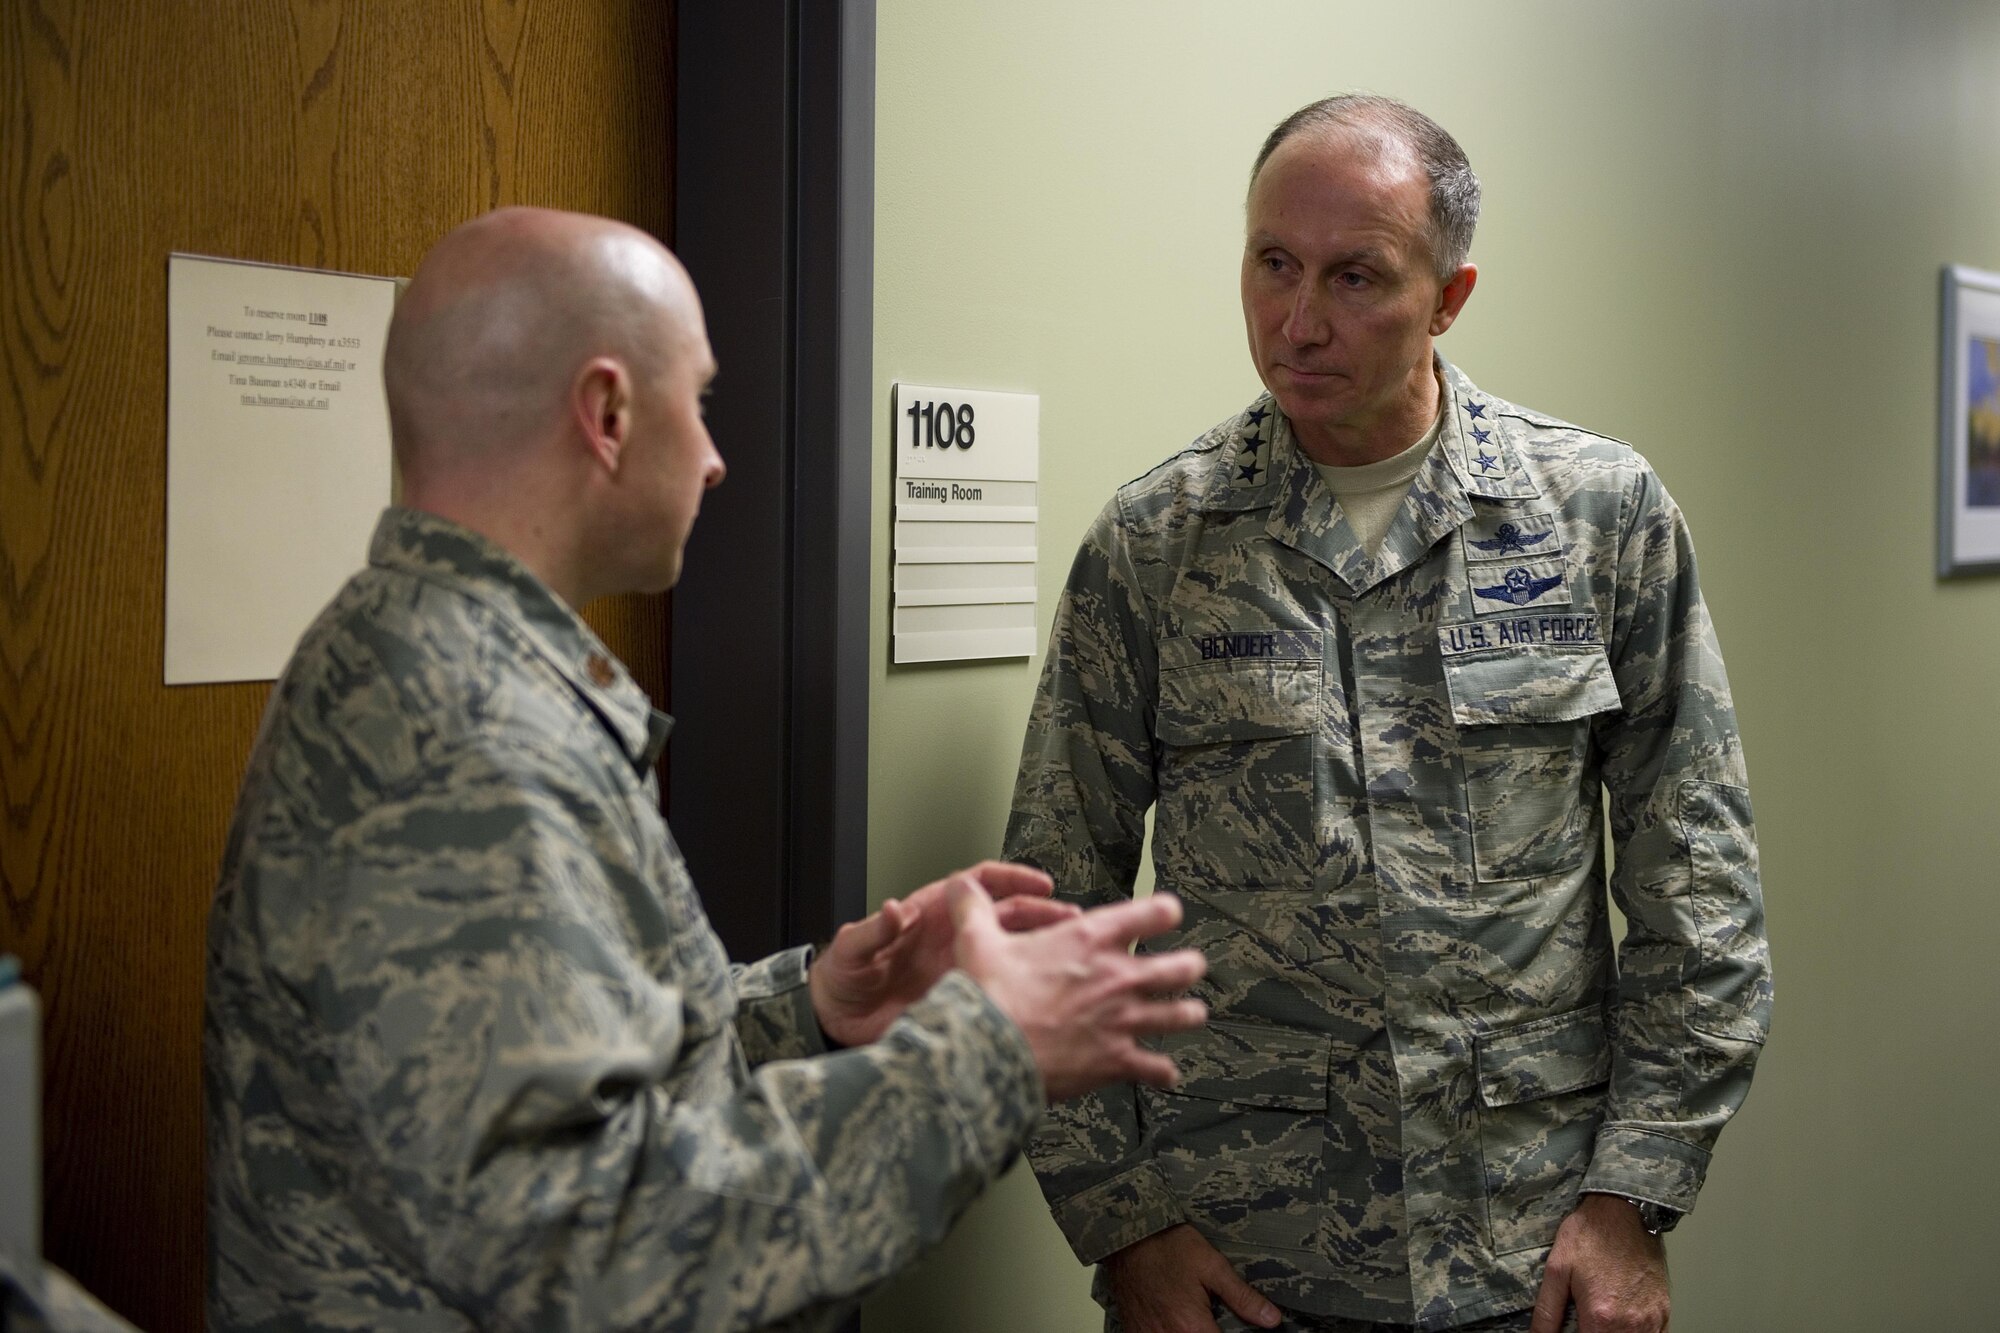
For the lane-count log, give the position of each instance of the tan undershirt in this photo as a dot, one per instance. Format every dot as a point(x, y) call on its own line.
point(1371, 494)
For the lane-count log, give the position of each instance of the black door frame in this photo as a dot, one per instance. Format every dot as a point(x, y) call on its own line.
point(774, 204)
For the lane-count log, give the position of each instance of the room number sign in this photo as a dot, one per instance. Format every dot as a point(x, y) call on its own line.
point(967, 466)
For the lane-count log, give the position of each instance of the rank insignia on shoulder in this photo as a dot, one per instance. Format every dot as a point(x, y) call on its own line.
point(1249, 463)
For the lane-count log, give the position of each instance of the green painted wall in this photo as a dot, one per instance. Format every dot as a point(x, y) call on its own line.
point(1713, 228)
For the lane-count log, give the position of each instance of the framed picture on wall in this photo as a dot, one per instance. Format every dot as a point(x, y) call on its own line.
point(1969, 424)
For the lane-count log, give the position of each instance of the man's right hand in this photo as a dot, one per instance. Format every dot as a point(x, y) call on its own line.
point(1074, 989)
point(1167, 1282)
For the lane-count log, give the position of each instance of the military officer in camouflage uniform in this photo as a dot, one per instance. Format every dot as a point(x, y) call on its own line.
point(474, 1058)
point(1373, 650)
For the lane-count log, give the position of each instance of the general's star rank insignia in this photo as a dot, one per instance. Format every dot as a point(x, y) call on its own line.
point(1248, 464)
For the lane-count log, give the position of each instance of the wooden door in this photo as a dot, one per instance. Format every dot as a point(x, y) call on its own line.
point(332, 133)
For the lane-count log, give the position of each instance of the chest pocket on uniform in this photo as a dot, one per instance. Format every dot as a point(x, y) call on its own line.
point(1523, 716)
point(1236, 716)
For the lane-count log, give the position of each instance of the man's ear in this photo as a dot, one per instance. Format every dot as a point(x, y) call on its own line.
point(1452, 299)
point(601, 401)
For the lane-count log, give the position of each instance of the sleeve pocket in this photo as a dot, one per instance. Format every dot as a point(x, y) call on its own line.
point(1732, 996)
point(1543, 1057)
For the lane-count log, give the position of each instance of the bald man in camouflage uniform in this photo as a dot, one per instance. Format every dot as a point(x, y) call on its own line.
point(1371, 650)
point(474, 1058)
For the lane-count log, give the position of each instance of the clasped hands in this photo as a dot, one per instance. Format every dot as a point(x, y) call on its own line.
point(1066, 977)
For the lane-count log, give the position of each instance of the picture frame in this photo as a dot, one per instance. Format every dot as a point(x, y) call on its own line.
point(1969, 423)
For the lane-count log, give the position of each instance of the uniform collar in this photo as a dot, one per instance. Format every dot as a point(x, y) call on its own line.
point(1263, 467)
point(439, 551)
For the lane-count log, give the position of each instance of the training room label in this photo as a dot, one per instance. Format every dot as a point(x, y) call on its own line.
point(967, 465)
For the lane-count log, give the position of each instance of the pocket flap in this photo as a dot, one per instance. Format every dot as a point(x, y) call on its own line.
point(1543, 1058)
point(1251, 1063)
point(1537, 683)
point(1237, 687)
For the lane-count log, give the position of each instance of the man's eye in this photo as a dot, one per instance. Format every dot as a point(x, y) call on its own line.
point(1352, 281)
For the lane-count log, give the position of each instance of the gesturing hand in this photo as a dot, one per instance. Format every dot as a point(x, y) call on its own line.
point(878, 966)
point(1168, 1283)
point(1077, 993)
point(1606, 1264)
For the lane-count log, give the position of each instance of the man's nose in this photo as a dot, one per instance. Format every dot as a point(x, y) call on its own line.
point(715, 470)
point(1305, 322)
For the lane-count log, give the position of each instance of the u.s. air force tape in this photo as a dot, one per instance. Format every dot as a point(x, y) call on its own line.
point(1519, 631)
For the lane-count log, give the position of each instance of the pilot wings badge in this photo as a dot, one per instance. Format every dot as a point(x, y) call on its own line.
point(1518, 587)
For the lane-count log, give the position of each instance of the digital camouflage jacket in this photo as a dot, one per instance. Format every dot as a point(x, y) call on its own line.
point(475, 1059)
point(1376, 784)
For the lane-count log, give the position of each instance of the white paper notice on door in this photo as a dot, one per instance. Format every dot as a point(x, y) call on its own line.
point(277, 455)
point(968, 462)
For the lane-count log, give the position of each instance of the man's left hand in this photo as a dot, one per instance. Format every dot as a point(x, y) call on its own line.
point(878, 966)
point(1606, 1264)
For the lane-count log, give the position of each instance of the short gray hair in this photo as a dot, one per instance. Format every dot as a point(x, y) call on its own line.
point(1454, 189)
